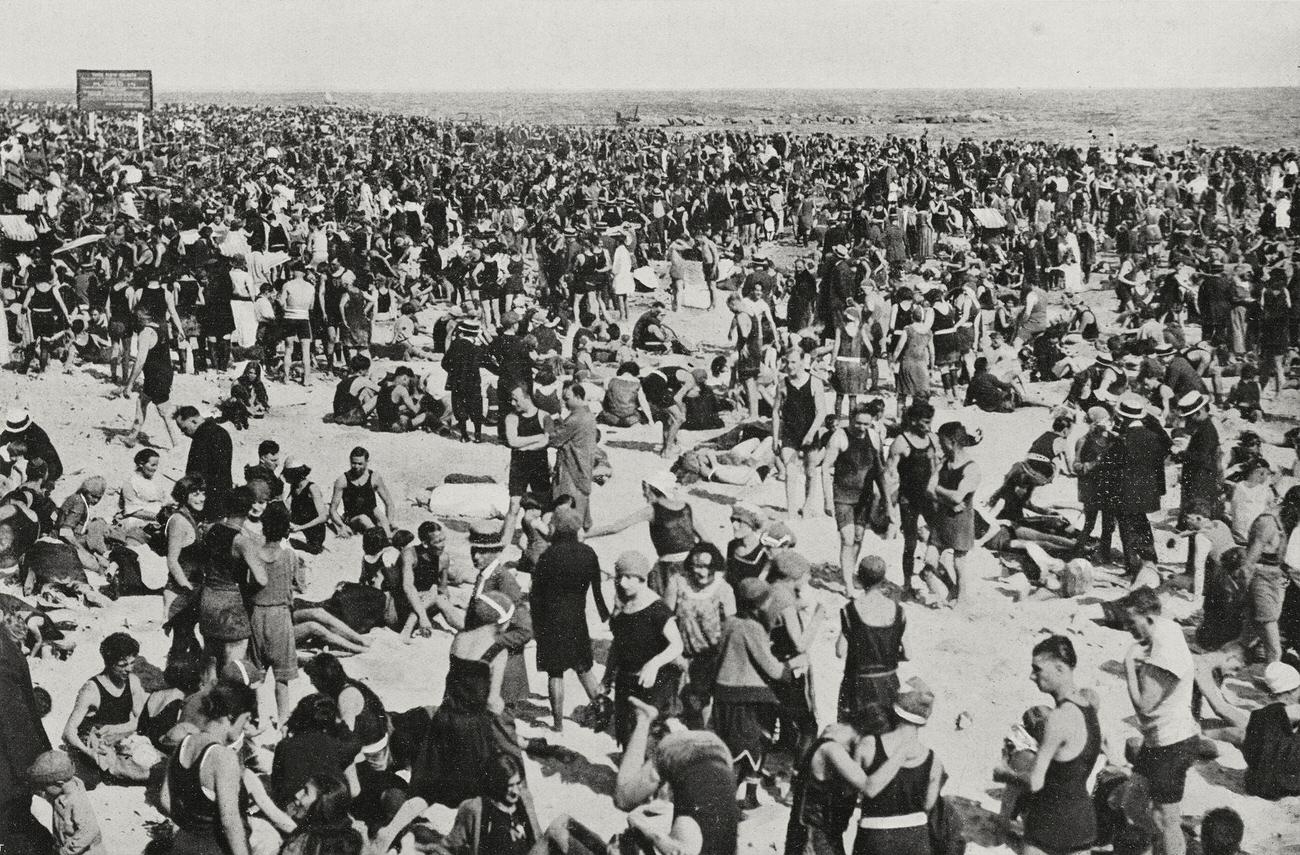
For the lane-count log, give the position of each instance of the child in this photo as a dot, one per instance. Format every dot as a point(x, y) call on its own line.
point(76, 831)
point(1245, 395)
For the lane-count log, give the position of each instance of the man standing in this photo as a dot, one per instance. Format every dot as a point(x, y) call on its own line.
point(530, 466)
point(1142, 450)
point(297, 297)
point(1160, 673)
point(512, 362)
point(211, 456)
point(853, 478)
point(574, 439)
point(1202, 476)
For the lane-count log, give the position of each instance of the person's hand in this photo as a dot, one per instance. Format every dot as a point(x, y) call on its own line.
point(496, 705)
point(638, 819)
point(643, 709)
point(649, 673)
point(424, 623)
point(891, 532)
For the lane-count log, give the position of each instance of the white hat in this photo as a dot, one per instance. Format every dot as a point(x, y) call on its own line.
point(1132, 407)
point(18, 420)
point(1192, 402)
point(1281, 678)
point(663, 482)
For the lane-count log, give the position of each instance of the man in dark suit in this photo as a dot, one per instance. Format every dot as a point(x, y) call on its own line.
point(1143, 448)
point(22, 738)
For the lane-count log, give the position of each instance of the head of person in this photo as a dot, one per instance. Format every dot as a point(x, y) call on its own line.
point(252, 371)
point(187, 419)
point(432, 536)
point(861, 419)
point(631, 570)
point(1257, 471)
point(521, 400)
point(315, 713)
point(323, 801)
point(703, 563)
point(326, 674)
point(683, 754)
point(37, 470)
point(913, 704)
point(1199, 514)
point(796, 359)
point(483, 554)
point(275, 522)
point(953, 437)
point(575, 396)
point(746, 522)
point(1221, 832)
point(359, 364)
point(1282, 682)
point(659, 486)
point(871, 571)
point(981, 364)
point(1141, 609)
point(918, 417)
point(119, 652)
point(93, 489)
point(1052, 664)
point(184, 671)
point(995, 340)
point(229, 712)
point(146, 463)
point(295, 471)
point(50, 771)
point(268, 453)
point(358, 461)
point(190, 493)
point(629, 369)
point(503, 781)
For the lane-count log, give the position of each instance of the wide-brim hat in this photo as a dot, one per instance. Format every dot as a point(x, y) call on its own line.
point(1105, 360)
point(1280, 678)
point(17, 420)
point(663, 482)
point(1163, 350)
point(1132, 407)
point(1193, 402)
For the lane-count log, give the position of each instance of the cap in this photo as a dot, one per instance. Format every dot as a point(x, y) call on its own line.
point(18, 420)
point(293, 463)
point(50, 767)
point(752, 591)
point(662, 482)
point(632, 563)
point(510, 318)
point(872, 570)
point(1280, 678)
point(749, 516)
point(788, 564)
point(778, 536)
point(1192, 402)
point(915, 703)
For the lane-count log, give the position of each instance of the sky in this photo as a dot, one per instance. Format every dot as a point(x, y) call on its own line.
point(382, 45)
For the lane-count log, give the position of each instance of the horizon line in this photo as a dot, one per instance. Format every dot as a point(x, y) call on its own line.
point(590, 90)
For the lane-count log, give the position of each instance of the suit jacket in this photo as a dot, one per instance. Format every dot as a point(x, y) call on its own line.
point(22, 737)
point(1142, 478)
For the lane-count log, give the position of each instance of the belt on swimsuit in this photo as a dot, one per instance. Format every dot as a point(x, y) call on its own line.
point(674, 557)
point(851, 358)
point(882, 823)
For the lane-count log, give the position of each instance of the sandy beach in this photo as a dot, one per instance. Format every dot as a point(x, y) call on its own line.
point(978, 664)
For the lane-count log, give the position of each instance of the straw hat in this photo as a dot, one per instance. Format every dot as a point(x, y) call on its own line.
point(1192, 403)
point(17, 420)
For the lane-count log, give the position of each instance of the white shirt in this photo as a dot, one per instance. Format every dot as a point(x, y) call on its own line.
point(1171, 721)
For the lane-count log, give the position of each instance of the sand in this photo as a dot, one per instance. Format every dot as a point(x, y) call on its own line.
point(977, 664)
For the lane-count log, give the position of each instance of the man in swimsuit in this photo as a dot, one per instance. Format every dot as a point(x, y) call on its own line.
point(357, 493)
point(152, 359)
point(853, 480)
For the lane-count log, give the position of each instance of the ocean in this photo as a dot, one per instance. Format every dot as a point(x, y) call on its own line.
point(1253, 118)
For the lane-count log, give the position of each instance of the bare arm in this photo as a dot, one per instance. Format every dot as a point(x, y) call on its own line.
point(87, 701)
point(226, 784)
point(644, 514)
point(318, 502)
point(336, 501)
point(381, 487)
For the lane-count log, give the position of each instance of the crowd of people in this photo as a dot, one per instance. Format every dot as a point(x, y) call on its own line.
point(450, 275)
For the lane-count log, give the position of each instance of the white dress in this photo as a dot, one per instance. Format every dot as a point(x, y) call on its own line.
point(621, 270)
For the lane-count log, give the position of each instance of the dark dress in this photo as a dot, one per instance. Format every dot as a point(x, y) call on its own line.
point(638, 638)
point(820, 812)
point(302, 508)
point(1202, 476)
point(559, 606)
point(870, 663)
point(157, 369)
point(1060, 817)
point(797, 413)
point(904, 795)
point(953, 529)
point(223, 618)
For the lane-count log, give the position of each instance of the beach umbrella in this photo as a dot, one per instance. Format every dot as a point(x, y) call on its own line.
point(84, 240)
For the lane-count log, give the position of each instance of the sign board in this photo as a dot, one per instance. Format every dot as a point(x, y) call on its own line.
point(114, 91)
